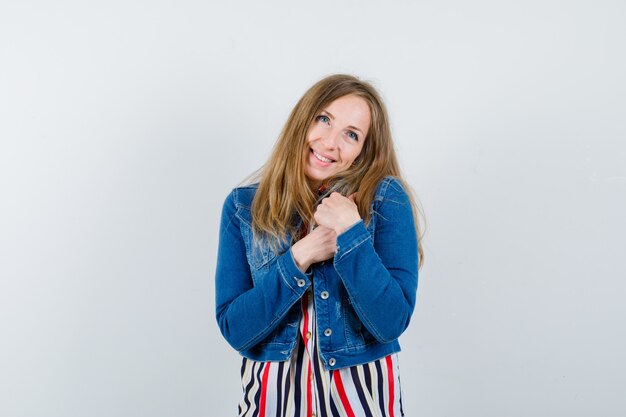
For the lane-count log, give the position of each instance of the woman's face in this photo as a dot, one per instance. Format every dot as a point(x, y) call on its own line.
point(335, 138)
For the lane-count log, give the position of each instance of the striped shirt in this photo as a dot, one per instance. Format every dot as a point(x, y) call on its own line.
point(302, 387)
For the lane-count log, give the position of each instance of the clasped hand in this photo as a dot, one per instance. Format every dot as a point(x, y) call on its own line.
point(334, 215)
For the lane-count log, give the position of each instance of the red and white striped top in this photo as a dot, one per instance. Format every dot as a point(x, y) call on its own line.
point(302, 387)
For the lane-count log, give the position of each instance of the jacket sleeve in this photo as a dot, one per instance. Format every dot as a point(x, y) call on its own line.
point(247, 311)
point(381, 276)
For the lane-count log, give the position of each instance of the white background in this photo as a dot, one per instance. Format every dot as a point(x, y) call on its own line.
point(124, 124)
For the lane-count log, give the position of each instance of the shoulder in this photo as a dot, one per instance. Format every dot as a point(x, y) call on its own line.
point(238, 204)
point(391, 188)
point(393, 204)
point(242, 196)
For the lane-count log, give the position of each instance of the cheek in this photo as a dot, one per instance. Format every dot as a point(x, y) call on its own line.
point(311, 135)
point(356, 153)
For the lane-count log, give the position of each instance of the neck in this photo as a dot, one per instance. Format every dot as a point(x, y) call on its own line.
point(314, 185)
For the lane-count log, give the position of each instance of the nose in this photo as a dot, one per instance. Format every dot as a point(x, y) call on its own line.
point(331, 139)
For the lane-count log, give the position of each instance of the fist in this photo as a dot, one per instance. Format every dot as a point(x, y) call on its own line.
point(317, 246)
point(337, 212)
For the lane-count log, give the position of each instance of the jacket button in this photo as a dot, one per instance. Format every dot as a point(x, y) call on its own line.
point(301, 283)
point(332, 361)
point(324, 295)
point(328, 332)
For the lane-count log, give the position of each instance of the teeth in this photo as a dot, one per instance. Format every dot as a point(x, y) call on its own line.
point(321, 158)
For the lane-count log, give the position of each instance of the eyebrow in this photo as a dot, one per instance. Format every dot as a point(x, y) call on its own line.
point(351, 127)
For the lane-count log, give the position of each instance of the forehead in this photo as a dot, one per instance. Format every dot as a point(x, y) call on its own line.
point(350, 109)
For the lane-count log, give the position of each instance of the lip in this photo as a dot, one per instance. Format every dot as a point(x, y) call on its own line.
point(316, 162)
point(324, 155)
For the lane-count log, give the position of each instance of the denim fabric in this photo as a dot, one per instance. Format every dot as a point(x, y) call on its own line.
point(365, 295)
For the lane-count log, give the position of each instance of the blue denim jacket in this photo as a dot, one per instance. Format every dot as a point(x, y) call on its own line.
point(365, 295)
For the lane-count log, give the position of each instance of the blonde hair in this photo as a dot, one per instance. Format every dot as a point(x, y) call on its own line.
point(284, 190)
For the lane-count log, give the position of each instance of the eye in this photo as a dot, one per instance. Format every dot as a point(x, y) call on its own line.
point(323, 118)
point(353, 135)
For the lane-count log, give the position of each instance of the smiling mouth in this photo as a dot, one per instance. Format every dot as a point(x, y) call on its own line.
point(321, 158)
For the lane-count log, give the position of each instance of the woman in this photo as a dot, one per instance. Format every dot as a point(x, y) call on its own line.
point(318, 262)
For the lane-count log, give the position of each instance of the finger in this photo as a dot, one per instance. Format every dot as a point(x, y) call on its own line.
point(352, 197)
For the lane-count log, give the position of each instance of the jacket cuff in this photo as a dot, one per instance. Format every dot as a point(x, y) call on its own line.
point(297, 280)
point(351, 238)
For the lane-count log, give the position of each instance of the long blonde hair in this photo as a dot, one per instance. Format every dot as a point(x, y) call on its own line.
point(283, 189)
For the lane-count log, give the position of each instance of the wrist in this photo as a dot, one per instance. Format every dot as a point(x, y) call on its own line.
point(304, 267)
point(340, 230)
point(301, 261)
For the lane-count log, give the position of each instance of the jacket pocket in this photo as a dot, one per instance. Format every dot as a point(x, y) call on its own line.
point(352, 324)
point(260, 252)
